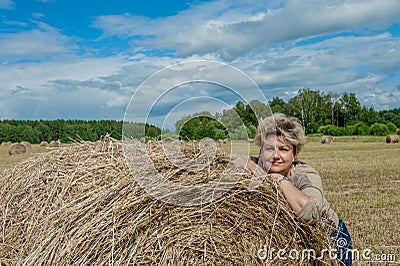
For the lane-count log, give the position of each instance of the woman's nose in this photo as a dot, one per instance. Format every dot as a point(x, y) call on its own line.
point(276, 153)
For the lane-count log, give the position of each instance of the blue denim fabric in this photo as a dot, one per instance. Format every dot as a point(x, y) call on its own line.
point(342, 241)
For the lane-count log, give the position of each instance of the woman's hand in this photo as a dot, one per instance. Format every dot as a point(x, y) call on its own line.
point(276, 176)
point(252, 168)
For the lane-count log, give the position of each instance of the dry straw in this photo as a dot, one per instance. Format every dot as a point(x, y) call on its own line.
point(81, 205)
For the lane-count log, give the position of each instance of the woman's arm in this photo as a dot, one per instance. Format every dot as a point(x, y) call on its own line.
point(295, 197)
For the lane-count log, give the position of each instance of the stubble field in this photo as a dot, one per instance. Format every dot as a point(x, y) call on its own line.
point(362, 182)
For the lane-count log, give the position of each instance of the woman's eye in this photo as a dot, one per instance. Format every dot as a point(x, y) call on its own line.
point(269, 149)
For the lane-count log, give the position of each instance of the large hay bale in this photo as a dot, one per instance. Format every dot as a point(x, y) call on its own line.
point(81, 205)
point(27, 144)
point(392, 139)
point(16, 149)
point(327, 140)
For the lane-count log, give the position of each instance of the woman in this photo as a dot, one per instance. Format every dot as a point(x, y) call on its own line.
point(281, 139)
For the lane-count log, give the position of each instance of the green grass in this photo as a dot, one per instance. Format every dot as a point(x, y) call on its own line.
point(354, 139)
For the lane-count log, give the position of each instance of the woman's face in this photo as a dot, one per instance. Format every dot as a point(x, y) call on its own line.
point(277, 155)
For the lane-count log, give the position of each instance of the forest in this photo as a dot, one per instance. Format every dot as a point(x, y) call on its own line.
point(67, 131)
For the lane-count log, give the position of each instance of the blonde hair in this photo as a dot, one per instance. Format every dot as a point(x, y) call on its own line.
point(280, 125)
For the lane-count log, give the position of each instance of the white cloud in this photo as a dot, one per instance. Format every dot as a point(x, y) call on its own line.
point(38, 43)
point(38, 15)
point(37, 75)
point(6, 4)
point(333, 62)
point(381, 98)
point(14, 23)
point(32, 89)
point(232, 28)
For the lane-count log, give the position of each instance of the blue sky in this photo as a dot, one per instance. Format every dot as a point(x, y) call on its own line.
point(65, 59)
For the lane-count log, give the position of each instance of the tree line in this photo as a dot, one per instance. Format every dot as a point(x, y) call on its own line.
point(319, 113)
point(66, 131)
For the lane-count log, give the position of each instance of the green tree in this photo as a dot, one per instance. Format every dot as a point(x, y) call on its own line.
point(311, 108)
point(43, 132)
point(331, 130)
point(368, 115)
point(360, 128)
point(392, 128)
point(251, 131)
point(257, 111)
point(334, 104)
point(200, 125)
point(392, 116)
point(378, 129)
point(26, 133)
point(350, 108)
point(245, 113)
point(231, 120)
point(152, 132)
point(278, 105)
point(7, 132)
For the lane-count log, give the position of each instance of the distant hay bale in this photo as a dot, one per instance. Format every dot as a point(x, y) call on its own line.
point(392, 139)
point(44, 144)
point(6, 144)
point(327, 140)
point(16, 149)
point(221, 152)
point(54, 143)
point(81, 205)
point(27, 144)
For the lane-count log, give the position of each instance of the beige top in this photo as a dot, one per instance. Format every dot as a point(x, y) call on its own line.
point(308, 180)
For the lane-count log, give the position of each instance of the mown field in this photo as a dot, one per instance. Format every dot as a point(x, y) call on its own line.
point(361, 178)
point(6, 160)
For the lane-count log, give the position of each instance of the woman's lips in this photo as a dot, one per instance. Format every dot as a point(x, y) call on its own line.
point(276, 163)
